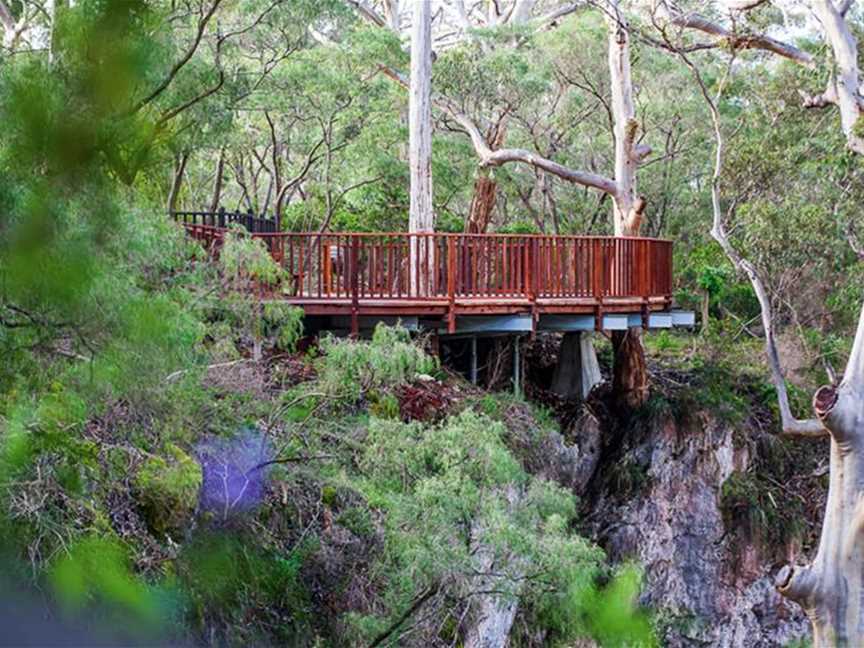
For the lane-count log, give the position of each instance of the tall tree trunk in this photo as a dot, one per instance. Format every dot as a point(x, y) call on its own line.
point(831, 588)
point(630, 372)
point(627, 207)
point(485, 187)
point(845, 88)
point(177, 182)
point(421, 216)
point(706, 311)
point(217, 181)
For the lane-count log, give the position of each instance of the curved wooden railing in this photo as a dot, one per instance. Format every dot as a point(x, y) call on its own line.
point(488, 272)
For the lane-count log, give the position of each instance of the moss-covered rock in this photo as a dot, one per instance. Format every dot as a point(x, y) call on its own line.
point(168, 487)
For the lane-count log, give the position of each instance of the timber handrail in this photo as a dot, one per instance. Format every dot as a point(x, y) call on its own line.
point(489, 271)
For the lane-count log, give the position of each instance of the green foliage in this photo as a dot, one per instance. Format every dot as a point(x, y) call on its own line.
point(95, 574)
point(440, 486)
point(627, 476)
point(245, 259)
point(389, 359)
point(247, 270)
point(232, 584)
point(383, 405)
point(757, 505)
point(168, 488)
point(107, 318)
point(610, 614)
point(284, 324)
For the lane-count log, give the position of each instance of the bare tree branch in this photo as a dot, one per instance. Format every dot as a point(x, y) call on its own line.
point(368, 13)
point(790, 425)
point(502, 156)
point(183, 60)
point(290, 184)
point(12, 29)
point(551, 19)
point(743, 5)
point(737, 41)
point(6, 18)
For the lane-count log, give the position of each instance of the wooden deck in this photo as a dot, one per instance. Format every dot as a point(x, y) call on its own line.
point(465, 274)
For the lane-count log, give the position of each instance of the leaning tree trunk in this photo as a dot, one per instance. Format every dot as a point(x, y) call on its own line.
point(421, 216)
point(482, 203)
point(177, 181)
point(485, 186)
point(217, 181)
point(831, 588)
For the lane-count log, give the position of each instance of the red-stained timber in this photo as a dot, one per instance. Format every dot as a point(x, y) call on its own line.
point(338, 273)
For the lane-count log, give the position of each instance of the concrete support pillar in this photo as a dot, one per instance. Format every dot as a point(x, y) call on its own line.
point(577, 370)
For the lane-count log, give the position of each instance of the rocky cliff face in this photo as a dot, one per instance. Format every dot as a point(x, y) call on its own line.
point(661, 496)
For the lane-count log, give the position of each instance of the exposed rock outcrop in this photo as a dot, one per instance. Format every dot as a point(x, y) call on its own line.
point(657, 499)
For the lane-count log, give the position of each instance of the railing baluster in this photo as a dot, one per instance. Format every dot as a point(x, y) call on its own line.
point(451, 267)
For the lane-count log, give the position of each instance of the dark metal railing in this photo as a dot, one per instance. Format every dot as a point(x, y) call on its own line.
point(223, 219)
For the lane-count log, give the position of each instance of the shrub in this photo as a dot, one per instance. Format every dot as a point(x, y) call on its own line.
point(247, 270)
point(244, 259)
point(445, 487)
point(168, 487)
point(389, 359)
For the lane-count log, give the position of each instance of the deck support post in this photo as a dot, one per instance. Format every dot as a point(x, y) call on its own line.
point(355, 287)
point(473, 359)
point(451, 285)
point(578, 370)
point(517, 368)
point(534, 283)
point(435, 345)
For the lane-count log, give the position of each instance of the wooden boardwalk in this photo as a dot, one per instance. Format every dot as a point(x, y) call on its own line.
point(442, 276)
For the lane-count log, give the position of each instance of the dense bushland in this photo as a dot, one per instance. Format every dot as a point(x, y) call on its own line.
point(173, 467)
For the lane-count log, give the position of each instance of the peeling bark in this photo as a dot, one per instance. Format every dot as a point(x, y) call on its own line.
point(627, 210)
point(485, 187)
point(846, 85)
point(831, 588)
point(482, 203)
point(421, 217)
point(629, 370)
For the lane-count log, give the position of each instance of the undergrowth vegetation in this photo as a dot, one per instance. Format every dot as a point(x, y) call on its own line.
point(289, 500)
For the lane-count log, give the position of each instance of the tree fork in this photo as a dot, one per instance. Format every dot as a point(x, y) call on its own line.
point(831, 588)
point(485, 186)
